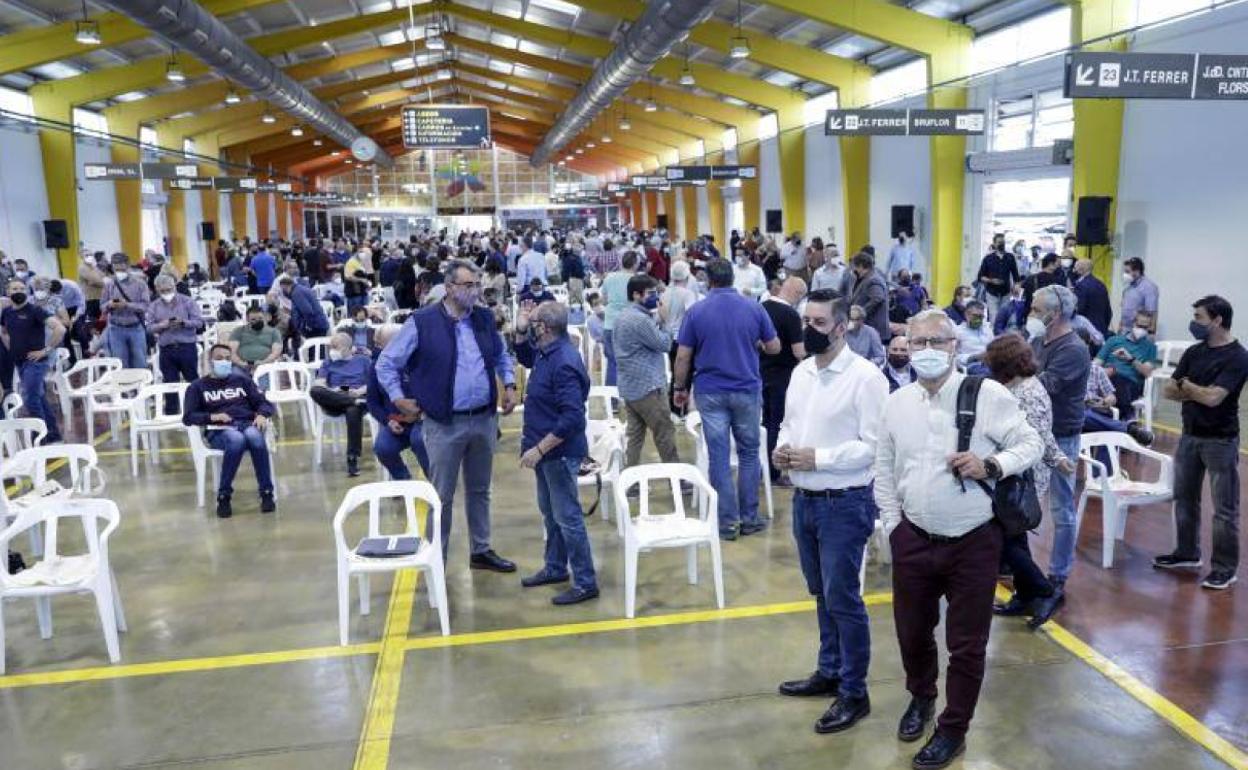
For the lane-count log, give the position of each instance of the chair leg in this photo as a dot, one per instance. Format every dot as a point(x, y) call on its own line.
point(108, 619)
point(765, 464)
point(691, 564)
point(1083, 503)
point(134, 452)
point(344, 604)
point(118, 610)
point(1109, 528)
point(630, 580)
point(365, 597)
point(1123, 512)
point(36, 540)
point(200, 472)
point(437, 583)
point(717, 567)
point(43, 613)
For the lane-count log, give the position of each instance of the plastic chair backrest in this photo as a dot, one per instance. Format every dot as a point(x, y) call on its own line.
point(1170, 351)
point(314, 350)
point(284, 377)
point(603, 395)
point(1113, 443)
point(92, 370)
point(80, 459)
point(149, 405)
point(375, 492)
point(20, 433)
point(90, 511)
point(672, 473)
point(121, 385)
point(10, 406)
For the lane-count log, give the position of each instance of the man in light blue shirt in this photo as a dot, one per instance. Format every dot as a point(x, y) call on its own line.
point(1140, 293)
point(901, 256)
point(532, 265)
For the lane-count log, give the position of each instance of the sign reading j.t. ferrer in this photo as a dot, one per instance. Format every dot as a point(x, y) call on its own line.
point(651, 182)
point(446, 126)
point(865, 123)
point(1222, 76)
point(1100, 74)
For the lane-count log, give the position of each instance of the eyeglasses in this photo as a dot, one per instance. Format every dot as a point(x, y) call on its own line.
point(469, 285)
point(918, 343)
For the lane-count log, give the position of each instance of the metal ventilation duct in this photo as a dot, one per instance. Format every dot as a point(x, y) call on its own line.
point(663, 25)
point(187, 25)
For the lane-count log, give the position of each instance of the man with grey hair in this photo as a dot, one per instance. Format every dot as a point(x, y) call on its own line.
point(553, 444)
point(125, 299)
point(1064, 363)
point(53, 305)
point(453, 358)
point(944, 541)
point(176, 321)
point(340, 389)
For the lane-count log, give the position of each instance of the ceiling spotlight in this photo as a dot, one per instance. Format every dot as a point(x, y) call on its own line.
point(317, 142)
point(87, 33)
point(606, 139)
point(580, 150)
point(296, 131)
point(350, 162)
point(268, 117)
point(740, 48)
point(563, 163)
point(335, 153)
point(569, 158)
point(686, 78)
point(651, 106)
point(624, 124)
point(173, 71)
point(232, 97)
point(590, 145)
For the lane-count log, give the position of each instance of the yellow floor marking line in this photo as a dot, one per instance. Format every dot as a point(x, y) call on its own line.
point(374, 749)
point(184, 666)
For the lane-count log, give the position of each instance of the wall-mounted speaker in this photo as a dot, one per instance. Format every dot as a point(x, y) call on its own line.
point(55, 234)
point(1092, 221)
point(775, 222)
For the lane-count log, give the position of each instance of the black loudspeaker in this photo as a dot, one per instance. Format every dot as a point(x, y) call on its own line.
point(661, 220)
point(775, 223)
point(55, 234)
point(902, 221)
point(207, 231)
point(1092, 221)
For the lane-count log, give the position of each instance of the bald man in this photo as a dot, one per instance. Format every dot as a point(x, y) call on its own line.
point(781, 306)
point(1091, 297)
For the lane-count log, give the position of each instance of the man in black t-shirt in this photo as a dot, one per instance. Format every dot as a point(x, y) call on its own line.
point(781, 308)
point(1207, 382)
point(31, 336)
point(997, 273)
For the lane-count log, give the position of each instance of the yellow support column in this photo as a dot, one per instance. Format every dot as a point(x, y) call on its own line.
point(263, 225)
point(129, 195)
point(283, 211)
point(175, 213)
point(1098, 122)
point(792, 141)
point(60, 174)
point(855, 193)
point(948, 161)
point(238, 202)
point(690, 199)
point(209, 204)
point(747, 155)
point(669, 210)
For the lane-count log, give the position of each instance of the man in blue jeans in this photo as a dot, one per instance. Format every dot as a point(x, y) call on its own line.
point(234, 414)
point(827, 444)
point(398, 432)
point(553, 444)
point(31, 336)
point(720, 339)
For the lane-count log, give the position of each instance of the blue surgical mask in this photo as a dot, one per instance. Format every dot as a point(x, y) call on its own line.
point(222, 368)
point(651, 302)
point(1199, 331)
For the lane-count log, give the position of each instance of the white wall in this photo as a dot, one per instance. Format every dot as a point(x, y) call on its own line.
point(769, 196)
point(678, 221)
point(23, 201)
point(825, 199)
point(252, 227)
point(704, 216)
point(225, 217)
point(194, 215)
point(97, 201)
point(901, 174)
point(1182, 196)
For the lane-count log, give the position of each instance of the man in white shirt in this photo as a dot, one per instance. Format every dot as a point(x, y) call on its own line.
point(831, 274)
point(901, 256)
point(532, 265)
point(792, 255)
point(944, 540)
point(827, 444)
point(974, 334)
point(748, 278)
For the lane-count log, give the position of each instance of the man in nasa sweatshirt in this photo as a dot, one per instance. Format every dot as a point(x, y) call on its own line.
point(234, 415)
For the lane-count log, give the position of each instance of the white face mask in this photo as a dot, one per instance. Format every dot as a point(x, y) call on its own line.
point(1067, 263)
point(122, 275)
point(1128, 277)
point(930, 364)
point(1139, 333)
point(335, 355)
point(168, 296)
point(1035, 327)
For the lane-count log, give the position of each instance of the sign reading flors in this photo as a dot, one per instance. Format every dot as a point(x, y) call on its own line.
point(903, 122)
point(1221, 76)
point(706, 173)
point(446, 126)
point(170, 171)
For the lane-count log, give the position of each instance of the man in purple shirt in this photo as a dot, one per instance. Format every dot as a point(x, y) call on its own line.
point(125, 300)
point(175, 320)
point(720, 339)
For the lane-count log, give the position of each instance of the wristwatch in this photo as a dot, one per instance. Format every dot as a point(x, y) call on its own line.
point(993, 469)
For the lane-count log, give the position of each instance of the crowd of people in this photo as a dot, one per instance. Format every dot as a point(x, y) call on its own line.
point(849, 374)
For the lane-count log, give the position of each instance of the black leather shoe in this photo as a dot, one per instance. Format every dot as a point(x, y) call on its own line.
point(491, 561)
point(938, 753)
point(843, 714)
point(753, 528)
point(224, 509)
point(914, 722)
point(815, 684)
point(1013, 608)
point(353, 466)
point(575, 596)
point(1044, 609)
point(543, 578)
point(267, 504)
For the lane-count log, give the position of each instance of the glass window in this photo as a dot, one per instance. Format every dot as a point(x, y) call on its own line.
point(815, 108)
point(767, 126)
point(87, 123)
point(894, 83)
point(188, 147)
point(1036, 120)
point(1046, 33)
point(147, 136)
point(16, 103)
point(1151, 11)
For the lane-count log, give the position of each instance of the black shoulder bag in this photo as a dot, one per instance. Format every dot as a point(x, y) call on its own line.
point(1014, 500)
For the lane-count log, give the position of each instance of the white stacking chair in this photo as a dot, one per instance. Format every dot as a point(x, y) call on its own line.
point(10, 406)
point(607, 397)
point(86, 373)
point(18, 433)
point(1117, 491)
point(650, 531)
point(693, 425)
point(56, 377)
point(287, 382)
point(327, 307)
point(112, 395)
point(149, 417)
point(247, 300)
point(58, 575)
point(607, 477)
point(33, 464)
point(312, 353)
point(577, 336)
point(335, 427)
point(559, 292)
point(398, 316)
point(1168, 354)
point(206, 459)
point(428, 556)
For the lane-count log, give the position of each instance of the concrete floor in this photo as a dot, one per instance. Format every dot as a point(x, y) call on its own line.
point(693, 695)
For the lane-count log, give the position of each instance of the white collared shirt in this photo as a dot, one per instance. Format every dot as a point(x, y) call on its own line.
point(917, 436)
point(836, 410)
point(973, 342)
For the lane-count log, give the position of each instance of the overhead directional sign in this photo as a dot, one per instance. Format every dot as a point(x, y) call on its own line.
point(1221, 76)
point(676, 174)
point(1130, 75)
point(191, 183)
point(235, 184)
point(903, 122)
point(170, 170)
point(446, 126)
point(651, 182)
point(108, 172)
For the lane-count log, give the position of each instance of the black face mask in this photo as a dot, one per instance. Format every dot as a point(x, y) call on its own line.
point(257, 325)
point(899, 362)
point(816, 342)
point(19, 298)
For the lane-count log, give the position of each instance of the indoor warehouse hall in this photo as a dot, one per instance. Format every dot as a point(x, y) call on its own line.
point(545, 384)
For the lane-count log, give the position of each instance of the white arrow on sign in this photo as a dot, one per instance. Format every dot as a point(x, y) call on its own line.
point(835, 123)
point(1083, 77)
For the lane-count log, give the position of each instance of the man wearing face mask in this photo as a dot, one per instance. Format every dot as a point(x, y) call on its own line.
point(340, 389)
point(862, 339)
point(997, 272)
point(831, 273)
point(945, 541)
point(1064, 365)
point(973, 337)
point(255, 342)
point(869, 292)
point(176, 321)
point(777, 370)
point(454, 359)
point(41, 295)
point(1138, 293)
point(1128, 360)
point(307, 317)
point(31, 335)
point(1010, 315)
point(125, 301)
point(748, 278)
point(1048, 275)
point(234, 414)
point(1208, 382)
point(897, 369)
point(1092, 297)
point(642, 342)
point(827, 445)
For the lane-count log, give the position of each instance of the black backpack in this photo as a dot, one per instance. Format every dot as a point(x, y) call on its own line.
point(1014, 500)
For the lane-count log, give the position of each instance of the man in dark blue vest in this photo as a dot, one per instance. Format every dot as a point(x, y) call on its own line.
point(454, 357)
